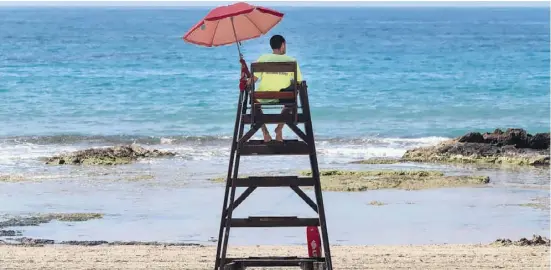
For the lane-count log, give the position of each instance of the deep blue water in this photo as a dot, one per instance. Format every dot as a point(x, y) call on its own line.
point(372, 72)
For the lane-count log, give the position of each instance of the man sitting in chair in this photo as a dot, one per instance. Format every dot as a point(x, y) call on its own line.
point(275, 81)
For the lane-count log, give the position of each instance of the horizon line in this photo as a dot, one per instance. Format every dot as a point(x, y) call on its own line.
point(316, 3)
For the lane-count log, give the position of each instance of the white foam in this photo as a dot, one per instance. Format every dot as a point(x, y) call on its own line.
point(361, 152)
point(373, 147)
point(166, 140)
point(12, 153)
point(425, 141)
point(27, 154)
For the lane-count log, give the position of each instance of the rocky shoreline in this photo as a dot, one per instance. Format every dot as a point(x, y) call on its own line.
point(511, 147)
point(537, 240)
point(37, 242)
point(115, 155)
point(514, 146)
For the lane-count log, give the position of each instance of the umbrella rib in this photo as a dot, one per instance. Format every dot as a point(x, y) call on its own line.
point(253, 23)
point(214, 33)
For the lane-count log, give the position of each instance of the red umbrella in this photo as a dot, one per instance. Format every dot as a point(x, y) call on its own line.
point(232, 24)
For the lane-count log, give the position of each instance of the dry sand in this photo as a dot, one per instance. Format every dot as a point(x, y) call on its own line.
point(344, 257)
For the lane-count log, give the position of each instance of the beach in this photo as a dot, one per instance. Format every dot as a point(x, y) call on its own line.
point(344, 257)
point(431, 133)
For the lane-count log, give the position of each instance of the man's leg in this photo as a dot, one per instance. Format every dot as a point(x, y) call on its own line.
point(279, 128)
point(265, 132)
point(286, 109)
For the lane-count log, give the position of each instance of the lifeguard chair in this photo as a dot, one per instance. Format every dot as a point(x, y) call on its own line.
point(249, 113)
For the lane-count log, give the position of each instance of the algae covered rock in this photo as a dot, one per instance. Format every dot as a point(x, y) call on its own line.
point(377, 161)
point(36, 220)
point(73, 216)
point(11, 178)
point(514, 146)
point(107, 156)
point(338, 180)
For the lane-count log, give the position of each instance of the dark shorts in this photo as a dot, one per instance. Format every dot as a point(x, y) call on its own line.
point(288, 89)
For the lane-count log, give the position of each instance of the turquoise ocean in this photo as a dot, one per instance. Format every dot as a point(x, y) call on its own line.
point(381, 81)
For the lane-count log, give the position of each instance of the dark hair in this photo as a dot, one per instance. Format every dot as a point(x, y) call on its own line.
point(276, 41)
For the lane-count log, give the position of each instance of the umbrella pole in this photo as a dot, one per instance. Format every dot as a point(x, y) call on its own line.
point(235, 35)
point(239, 50)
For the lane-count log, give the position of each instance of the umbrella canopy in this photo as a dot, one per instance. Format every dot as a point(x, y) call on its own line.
point(231, 24)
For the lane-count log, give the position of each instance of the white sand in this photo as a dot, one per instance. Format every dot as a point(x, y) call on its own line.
point(423, 257)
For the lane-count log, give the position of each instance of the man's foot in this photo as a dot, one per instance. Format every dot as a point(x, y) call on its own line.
point(279, 134)
point(267, 137)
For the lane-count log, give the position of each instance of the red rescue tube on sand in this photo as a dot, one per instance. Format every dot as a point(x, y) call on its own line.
point(314, 241)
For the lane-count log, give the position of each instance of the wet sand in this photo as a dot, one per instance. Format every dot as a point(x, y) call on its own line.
point(344, 257)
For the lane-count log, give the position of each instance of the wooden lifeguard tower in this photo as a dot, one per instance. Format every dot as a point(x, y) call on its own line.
point(248, 113)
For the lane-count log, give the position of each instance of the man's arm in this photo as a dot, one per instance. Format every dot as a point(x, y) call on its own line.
point(252, 80)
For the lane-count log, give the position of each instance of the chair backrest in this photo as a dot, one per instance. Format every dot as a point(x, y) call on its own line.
point(275, 67)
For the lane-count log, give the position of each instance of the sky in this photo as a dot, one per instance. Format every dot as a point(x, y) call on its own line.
point(275, 3)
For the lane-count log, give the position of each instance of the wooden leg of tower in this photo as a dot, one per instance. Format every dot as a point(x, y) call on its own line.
point(223, 233)
point(316, 175)
point(241, 145)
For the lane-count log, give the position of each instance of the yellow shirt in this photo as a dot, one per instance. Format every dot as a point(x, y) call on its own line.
point(270, 81)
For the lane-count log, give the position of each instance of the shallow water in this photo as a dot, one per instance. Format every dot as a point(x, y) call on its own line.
point(180, 205)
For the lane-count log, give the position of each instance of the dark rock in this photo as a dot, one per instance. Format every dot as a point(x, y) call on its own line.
point(24, 221)
point(472, 137)
point(503, 242)
point(519, 138)
point(84, 243)
point(4, 233)
point(539, 141)
point(136, 243)
point(33, 242)
point(512, 136)
point(470, 149)
point(537, 240)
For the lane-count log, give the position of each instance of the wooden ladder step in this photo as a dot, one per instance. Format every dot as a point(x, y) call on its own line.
point(274, 181)
point(273, 95)
point(287, 147)
point(274, 222)
point(272, 118)
point(242, 263)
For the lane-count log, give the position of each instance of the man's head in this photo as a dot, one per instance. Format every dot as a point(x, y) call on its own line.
point(277, 43)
